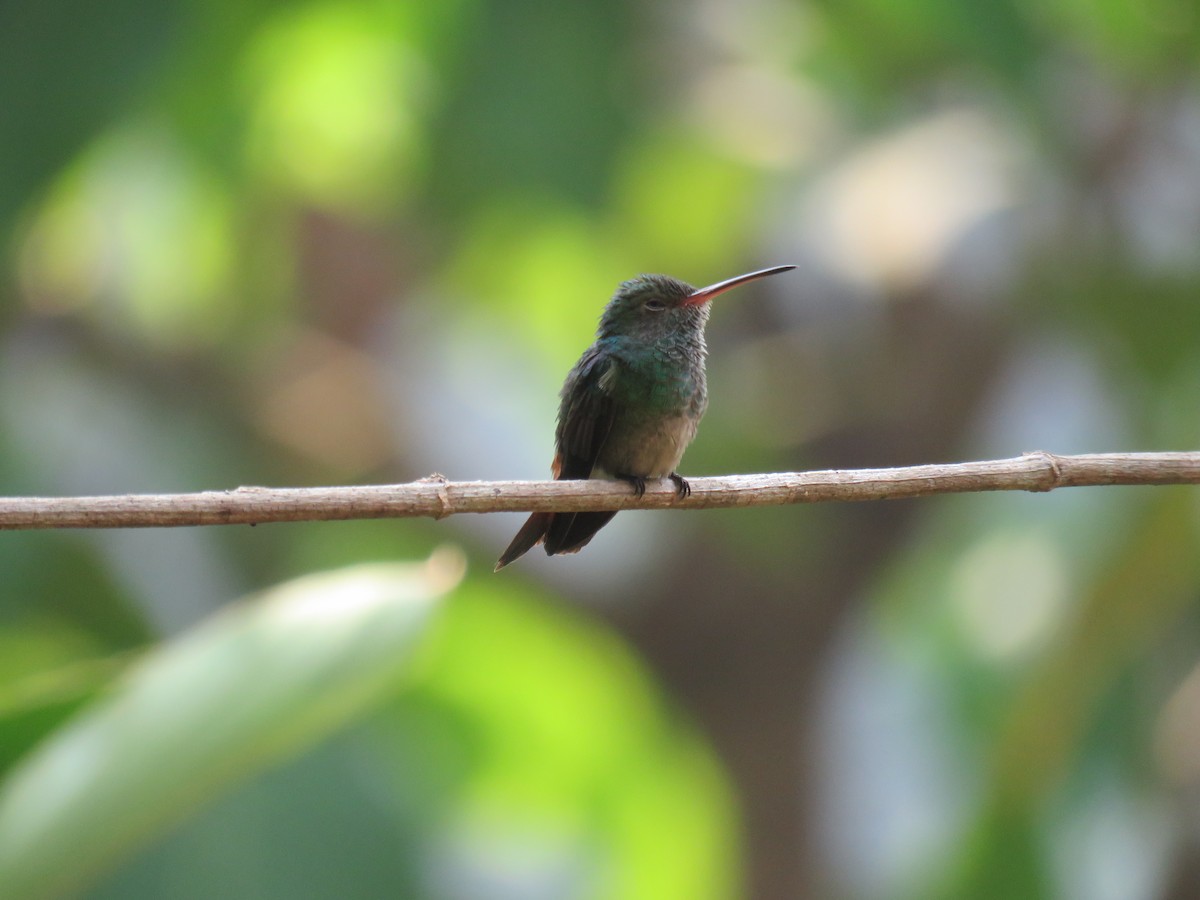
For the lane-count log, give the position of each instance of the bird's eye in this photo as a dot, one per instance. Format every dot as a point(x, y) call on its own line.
point(655, 305)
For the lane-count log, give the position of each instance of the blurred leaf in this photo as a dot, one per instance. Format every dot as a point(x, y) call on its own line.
point(683, 209)
point(337, 97)
point(48, 670)
point(322, 825)
point(530, 755)
point(138, 235)
point(550, 733)
point(257, 682)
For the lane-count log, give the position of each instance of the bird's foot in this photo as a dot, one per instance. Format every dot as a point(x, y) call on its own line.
point(638, 482)
point(682, 488)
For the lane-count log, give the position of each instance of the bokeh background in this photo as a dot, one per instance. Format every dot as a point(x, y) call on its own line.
point(329, 242)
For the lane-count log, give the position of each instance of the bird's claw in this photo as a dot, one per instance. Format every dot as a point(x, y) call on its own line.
point(682, 488)
point(638, 482)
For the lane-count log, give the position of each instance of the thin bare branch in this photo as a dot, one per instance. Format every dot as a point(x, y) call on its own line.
point(437, 497)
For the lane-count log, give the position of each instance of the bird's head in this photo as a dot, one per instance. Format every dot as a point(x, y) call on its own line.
point(650, 307)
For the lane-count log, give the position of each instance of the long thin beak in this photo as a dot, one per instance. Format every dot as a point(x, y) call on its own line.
point(707, 293)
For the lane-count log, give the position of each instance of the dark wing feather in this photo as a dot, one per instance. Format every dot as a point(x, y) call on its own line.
point(585, 419)
point(585, 415)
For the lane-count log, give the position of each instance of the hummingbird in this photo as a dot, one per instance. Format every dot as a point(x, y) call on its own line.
point(631, 405)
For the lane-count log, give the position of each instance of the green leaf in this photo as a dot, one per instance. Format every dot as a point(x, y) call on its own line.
point(34, 707)
point(259, 681)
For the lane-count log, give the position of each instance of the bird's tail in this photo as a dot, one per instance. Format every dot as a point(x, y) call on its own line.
point(532, 533)
point(570, 532)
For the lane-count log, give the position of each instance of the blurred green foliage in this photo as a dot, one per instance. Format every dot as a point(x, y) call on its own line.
point(353, 240)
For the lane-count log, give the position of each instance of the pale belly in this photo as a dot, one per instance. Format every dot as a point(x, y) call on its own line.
point(647, 450)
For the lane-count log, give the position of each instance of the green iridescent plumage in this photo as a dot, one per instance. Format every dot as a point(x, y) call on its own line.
point(631, 405)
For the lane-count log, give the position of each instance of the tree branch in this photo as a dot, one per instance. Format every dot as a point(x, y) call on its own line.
point(437, 497)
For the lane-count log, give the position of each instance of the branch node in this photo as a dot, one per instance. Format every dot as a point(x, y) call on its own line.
point(445, 507)
point(1053, 470)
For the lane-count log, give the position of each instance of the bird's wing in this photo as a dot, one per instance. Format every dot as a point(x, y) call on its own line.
point(586, 415)
point(585, 419)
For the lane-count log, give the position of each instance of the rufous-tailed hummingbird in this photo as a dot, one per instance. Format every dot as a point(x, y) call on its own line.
point(631, 405)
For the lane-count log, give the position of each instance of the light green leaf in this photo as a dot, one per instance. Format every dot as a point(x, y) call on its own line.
point(260, 680)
